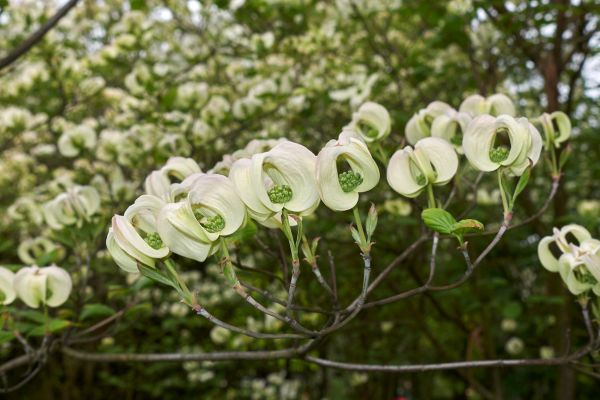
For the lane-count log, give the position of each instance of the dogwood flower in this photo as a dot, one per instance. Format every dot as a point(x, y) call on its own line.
point(432, 161)
point(77, 204)
point(550, 123)
point(495, 105)
point(7, 291)
point(158, 183)
point(50, 286)
point(31, 249)
point(340, 190)
point(76, 139)
point(283, 177)
point(133, 237)
point(419, 125)
point(493, 142)
point(578, 265)
point(372, 122)
point(212, 209)
point(451, 127)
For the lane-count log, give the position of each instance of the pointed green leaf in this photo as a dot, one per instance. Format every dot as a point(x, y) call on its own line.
point(157, 276)
point(523, 180)
point(438, 220)
point(466, 226)
point(95, 310)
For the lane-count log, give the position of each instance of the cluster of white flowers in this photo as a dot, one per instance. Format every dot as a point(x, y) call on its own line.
point(35, 286)
point(579, 260)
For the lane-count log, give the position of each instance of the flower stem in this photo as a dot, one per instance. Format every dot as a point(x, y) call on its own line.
point(294, 245)
point(185, 292)
point(505, 206)
point(430, 196)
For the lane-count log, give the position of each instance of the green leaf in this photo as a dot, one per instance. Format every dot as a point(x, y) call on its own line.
point(6, 336)
point(467, 226)
point(54, 325)
point(48, 258)
point(32, 315)
point(523, 180)
point(95, 310)
point(512, 310)
point(157, 276)
point(371, 223)
point(564, 157)
point(355, 235)
point(438, 220)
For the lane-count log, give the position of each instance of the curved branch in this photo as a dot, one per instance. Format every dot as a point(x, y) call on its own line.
point(38, 35)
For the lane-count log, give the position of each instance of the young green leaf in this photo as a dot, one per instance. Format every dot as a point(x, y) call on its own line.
point(523, 180)
point(371, 223)
point(95, 310)
point(438, 220)
point(467, 226)
point(157, 276)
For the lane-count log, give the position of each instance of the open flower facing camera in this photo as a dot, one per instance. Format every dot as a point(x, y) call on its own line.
point(433, 161)
point(494, 142)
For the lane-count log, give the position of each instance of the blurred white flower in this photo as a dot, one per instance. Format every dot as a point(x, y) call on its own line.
point(76, 139)
point(514, 346)
point(47, 285)
point(7, 290)
point(372, 122)
point(420, 124)
point(495, 105)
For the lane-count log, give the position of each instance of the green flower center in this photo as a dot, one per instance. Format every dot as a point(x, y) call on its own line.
point(213, 224)
point(499, 154)
point(584, 277)
point(456, 139)
point(350, 180)
point(154, 240)
point(280, 194)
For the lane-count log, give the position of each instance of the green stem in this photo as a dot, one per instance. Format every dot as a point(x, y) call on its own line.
point(503, 193)
point(186, 294)
point(359, 226)
point(228, 269)
point(287, 231)
point(382, 154)
point(430, 196)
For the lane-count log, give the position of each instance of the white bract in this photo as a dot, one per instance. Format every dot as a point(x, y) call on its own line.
point(419, 125)
point(76, 205)
point(493, 142)
point(578, 263)
point(496, 104)
point(372, 122)
point(451, 127)
point(340, 190)
point(30, 250)
point(76, 139)
point(7, 290)
point(158, 183)
point(133, 237)
point(553, 122)
point(283, 177)
point(211, 209)
point(49, 286)
point(432, 161)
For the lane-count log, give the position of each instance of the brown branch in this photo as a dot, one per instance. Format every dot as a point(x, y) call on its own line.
point(38, 35)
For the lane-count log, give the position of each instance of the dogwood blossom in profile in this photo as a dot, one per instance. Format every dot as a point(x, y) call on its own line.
point(283, 177)
point(493, 142)
point(553, 122)
point(133, 237)
point(495, 105)
point(74, 206)
point(372, 122)
point(7, 290)
point(211, 209)
point(50, 286)
point(76, 139)
point(30, 250)
point(158, 183)
point(579, 261)
point(433, 161)
point(340, 190)
point(451, 126)
point(420, 124)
